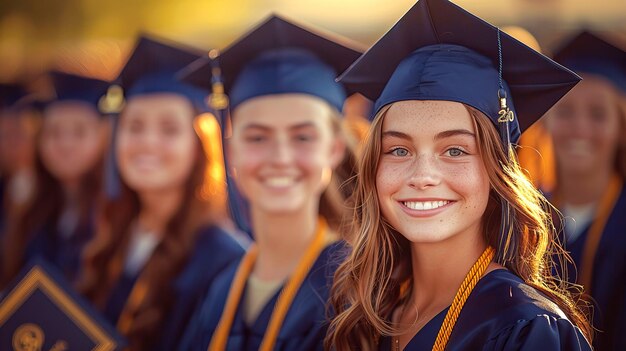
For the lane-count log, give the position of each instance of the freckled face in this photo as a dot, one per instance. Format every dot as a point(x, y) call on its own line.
point(432, 183)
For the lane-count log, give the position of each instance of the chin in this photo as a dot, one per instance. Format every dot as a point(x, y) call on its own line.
point(281, 208)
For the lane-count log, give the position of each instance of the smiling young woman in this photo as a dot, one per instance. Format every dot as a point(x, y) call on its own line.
point(159, 243)
point(289, 156)
point(587, 128)
point(454, 246)
point(59, 220)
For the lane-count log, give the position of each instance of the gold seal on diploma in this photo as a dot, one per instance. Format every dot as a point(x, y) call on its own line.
point(28, 337)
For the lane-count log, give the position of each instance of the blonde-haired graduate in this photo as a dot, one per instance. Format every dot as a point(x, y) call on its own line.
point(454, 245)
point(290, 158)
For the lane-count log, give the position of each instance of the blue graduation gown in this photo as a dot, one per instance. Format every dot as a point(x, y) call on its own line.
point(305, 324)
point(608, 284)
point(64, 253)
point(503, 313)
point(214, 250)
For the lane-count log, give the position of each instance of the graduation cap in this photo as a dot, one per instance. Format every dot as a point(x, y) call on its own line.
point(42, 312)
point(151, 68)
point(70, 87)
point(10, 94)
point(277, 57)
point(439, 51)
point(588, 53)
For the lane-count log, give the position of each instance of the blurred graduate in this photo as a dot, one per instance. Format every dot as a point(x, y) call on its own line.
point(292, 162)
point(59, 219)
point(18, 125)
point(454, 244)
point(159, 243)
point(588, 130)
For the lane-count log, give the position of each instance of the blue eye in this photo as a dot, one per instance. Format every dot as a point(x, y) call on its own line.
point(455, 152)
point(254, 138)
point(303, 137)
point(399, 152)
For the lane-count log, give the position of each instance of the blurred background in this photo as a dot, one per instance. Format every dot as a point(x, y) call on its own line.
point(93, 37)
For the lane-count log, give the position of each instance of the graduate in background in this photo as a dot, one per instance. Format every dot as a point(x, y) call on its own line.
point(290, 159)
point(454, 243)
point(159, 244)
point(59, 220)
point(18, 126)
point(588, 128)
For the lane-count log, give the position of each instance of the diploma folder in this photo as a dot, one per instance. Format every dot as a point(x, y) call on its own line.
point(41, 312)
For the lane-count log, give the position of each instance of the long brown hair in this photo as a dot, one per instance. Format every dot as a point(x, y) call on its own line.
point(104, 257)
point(368, 284)
point(44, 211)
point(334, 202)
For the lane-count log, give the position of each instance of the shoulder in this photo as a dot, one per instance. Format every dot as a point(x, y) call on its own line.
point(215, 238)
point(213, 251)
point(504, 295)
point(505, 313)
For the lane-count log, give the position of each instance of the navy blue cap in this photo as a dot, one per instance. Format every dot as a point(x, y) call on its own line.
point(277, 57)
point(588, 53)
point(70, 87)
point(11, 93)
point(42, 312)
point(439, 51)
point(152, 66)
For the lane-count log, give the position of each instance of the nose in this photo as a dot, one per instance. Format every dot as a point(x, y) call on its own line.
point(147, 138)
point(579, 125)
point(282, 152)
point(424, 172)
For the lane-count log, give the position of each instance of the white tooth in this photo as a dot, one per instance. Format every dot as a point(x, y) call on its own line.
point(279, 181)
point(428, 205)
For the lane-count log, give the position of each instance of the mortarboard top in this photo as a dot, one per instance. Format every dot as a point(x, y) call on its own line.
point(151, 68)
point(70, 87)
point(277, 57)
point(41, 312)
point(439, 51)
point(588, 53)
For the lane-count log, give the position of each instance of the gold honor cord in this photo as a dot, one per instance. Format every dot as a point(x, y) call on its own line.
point(137, 294)
point(471, 279)
point(283, 303)
point(607, 202)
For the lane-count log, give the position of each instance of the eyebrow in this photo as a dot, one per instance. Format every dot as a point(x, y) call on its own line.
point(441, 135)
point(268, 128)
point(454, 132)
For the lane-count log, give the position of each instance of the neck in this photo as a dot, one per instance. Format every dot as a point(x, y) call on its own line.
point(158, 208)
point(437, 274)
point(282, 240)
point(583, 189)
point(71, 190)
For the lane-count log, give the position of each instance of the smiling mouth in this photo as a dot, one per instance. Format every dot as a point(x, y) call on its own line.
point(280, 181)
point(425, 205)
